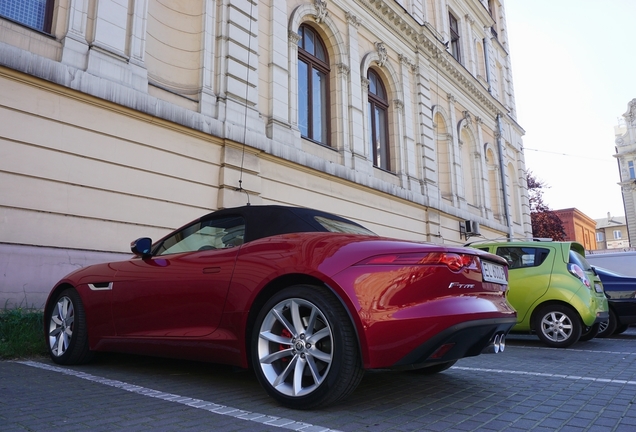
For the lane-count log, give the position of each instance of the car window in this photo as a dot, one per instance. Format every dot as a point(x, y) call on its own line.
point(577, 258)
point(339, 226)
point(521, 257)
point(208, 234)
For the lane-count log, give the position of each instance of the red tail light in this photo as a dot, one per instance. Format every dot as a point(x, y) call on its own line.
point(454, 261)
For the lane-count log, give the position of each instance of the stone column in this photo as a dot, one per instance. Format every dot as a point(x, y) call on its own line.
point(74, 44)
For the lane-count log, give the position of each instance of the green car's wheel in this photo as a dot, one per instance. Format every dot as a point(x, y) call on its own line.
point(590, 333)
point(557, 325)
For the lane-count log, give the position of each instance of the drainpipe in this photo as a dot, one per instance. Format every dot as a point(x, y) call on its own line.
point(502, 172)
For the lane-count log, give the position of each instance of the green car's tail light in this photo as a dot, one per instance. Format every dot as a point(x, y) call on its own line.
point(454, 261)
point(579, 274)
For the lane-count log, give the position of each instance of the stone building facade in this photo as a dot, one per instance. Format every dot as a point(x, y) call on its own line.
point(625, 139)
point(128, 118)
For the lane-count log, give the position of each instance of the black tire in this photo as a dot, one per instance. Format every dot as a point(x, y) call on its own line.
point(590, 332)
point(621, 329)
point(310, 361)
point(440, 367)
point(608, 327)
point(557, 325)
point(66, 332)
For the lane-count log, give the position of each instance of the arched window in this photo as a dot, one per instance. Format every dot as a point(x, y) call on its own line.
point(493, 184)
point(313, 86)
point(378, 109)
point(442, 141)
point(468, 167)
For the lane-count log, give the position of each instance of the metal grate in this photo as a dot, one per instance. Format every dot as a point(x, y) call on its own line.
point(28, 12)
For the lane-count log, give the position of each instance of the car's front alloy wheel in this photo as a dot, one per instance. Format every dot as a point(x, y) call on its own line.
point(67, 337)
point(304, 348)
point(557, 325)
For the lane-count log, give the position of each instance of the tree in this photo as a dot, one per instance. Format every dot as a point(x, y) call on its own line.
point(545, 223)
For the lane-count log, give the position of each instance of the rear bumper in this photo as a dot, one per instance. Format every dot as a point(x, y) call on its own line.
point(625, 310)
point(601, 317)
point(461, 340)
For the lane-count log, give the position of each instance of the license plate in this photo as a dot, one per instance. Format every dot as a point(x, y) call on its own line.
point(493, 273)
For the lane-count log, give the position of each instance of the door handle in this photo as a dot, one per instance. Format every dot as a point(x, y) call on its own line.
point(211, 269)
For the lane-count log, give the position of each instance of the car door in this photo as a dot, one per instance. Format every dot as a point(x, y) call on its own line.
point(180, 290)
point(529, 272)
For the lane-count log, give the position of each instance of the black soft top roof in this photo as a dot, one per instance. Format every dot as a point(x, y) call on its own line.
point(269, 220)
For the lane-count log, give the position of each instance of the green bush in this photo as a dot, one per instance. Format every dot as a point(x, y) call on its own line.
point(21, 333)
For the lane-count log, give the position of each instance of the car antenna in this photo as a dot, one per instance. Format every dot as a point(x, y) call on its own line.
point(247, 84)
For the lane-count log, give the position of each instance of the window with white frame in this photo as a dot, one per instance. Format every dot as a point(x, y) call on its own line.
point(600, 237)
point(632, 173)
point(618, 235)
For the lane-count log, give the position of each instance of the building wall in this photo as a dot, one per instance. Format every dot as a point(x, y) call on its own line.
point(625, 139)
point(133, 118)
point(578, 227)
point(611, 233)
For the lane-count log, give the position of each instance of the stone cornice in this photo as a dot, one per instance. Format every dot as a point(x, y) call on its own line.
point(427, 41)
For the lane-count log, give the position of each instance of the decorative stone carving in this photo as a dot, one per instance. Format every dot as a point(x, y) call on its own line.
point(382, 53)
point(630, 115)
point(398, 104)
point(468, 117)
point(409, 63)
point(294, 37)
point(365, 83)
point(352, 19)
point(451, 98)
point(321, 10)
point(343, 69)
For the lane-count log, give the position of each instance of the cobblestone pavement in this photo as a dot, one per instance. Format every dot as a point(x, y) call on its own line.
point(591, 386)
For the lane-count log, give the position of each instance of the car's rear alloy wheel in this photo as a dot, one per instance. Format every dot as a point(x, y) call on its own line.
point(304, 350)
point(557, 325)
point(67, 337)
point(608, 327)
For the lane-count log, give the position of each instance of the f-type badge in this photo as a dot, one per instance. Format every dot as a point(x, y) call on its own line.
point(461, 285)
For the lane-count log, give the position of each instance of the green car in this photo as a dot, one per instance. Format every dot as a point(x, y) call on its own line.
point(554, 289)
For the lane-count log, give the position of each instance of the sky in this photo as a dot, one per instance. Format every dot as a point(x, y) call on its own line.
point(574, 73)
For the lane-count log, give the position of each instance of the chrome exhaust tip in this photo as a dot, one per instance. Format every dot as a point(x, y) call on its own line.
point(497, 344)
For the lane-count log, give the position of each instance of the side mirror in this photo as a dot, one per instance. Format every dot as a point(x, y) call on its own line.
point(141, 247)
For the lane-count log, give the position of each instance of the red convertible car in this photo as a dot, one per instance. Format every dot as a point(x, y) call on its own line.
point(308, 299)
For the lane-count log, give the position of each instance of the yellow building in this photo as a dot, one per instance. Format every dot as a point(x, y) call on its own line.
point(611, 233)
point(128, 118)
